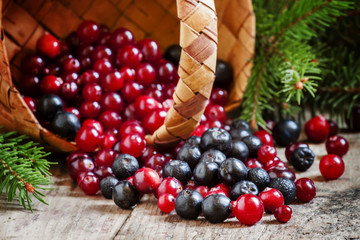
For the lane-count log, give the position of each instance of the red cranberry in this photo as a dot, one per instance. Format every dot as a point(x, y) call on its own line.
point(249, 209)
point(33, 64)
point(51, 85)
point(93, 124)
point(253, 163)
point(129, 56)
point(131, 91)
point(145, 104)
point(80, 165)
point(223, 187)
point(90, 109)
point(129, 112)
point(78, 154)
point(148, 152)
point(156, 161)
point(215, 112)
point(283, 213)
point(105, 157)
point(203, 190)
point(305, 189)
point(317, 129)
point(219, 96)
point(110, 119)
point(100, 52)
point(281, 172)
point(103, 172)
point(84, 51)
point(71, 65)
point(70, 77)
point(291, 148)
point(103, 66)
point(266, 153)
point(69, 90)
point(30, 102)
point(30, 85)
point(166, 73)
point(74, 111)
point(87, 139)
point(113, 81)
point(167, 104)
point(272, 163)
point(120, 38)
point(169, 90)
point(272, 198)
point(214, 124)
point(72, 40)
point(169, 185)
point(154, 93)
point(104, 38)
point(85, 63)
point(146, 180)
point(190, 185)
point(150, 49)
point(132, 144)
point(48, 45)
point(199, 130)
point(331, 166)
point(131, 127)
point(337, 145)
point(92, 92)
point(90, 184)
point(108, 141)
point(127, 73)
point(265, 137)
point(166, 203)
point(153, 120)
point(333, 128)
point(145, 74)
point(111, 101)
point(88, 31)
point(90, 76)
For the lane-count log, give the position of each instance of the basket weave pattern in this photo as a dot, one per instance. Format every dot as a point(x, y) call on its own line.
point(24, 21)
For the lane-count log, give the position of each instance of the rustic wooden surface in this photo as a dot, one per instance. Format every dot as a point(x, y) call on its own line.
point(333, 214)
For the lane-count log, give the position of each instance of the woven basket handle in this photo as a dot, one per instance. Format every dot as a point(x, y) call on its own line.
point(198, 39)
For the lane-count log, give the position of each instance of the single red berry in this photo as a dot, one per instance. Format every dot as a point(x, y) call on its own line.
point(166, 72)
point(92, 123)
point(87, 139)
point(283, 213)
point(150, 49)
point(219, 96)
point(92, 92)
point(156, 161)
point(265, 137)
point(48, 45)
point(334, 129)
point(253, 163)
point(110, 119)
point(331, 166)
point(84, 50)
point(337, 145)
point(103, 66)
point(100, 52)
point(281, 172)
point(249, 209)
point(129, 112)
point(30, 85)
point(90, 184)
point(120, 38)
point(169, 185)
point(71, 65)
point(88, 31)
point(82, 175)
point(33, 64)
point(129, 56)
point(199, 130)
point(70, 77)
point(146, 180)
point(215, 112)
point(105, 157)
point(130, 127)
point(166, 203)
point(112, 101)
point(145, 74)
point(131, 91)
point(153, 120)
point(213, 124)
point(51, 85)
point(203, 190)
point(78, 154)
point(69, 90)
point(317, 129)
point(112, 81)
point(90, 76)
point(272, 198)
point(222, 186)
point(154, 93)
point(273, 163)
point(132, 144)
point(80, 165)
point(291, 148)
point(145, 104)
point(127, 73)
point(305, 189)
point(30, 102)
point(90, 109)
point(103, 172)
point(148, 152)
point(266, 153)
point(108, 141)
point(168, 91)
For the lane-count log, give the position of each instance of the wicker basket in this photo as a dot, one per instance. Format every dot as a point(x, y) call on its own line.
point(24, 21)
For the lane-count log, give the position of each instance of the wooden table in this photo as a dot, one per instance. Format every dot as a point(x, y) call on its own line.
point(333, 214)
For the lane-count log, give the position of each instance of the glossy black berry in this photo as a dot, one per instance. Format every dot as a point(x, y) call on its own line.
point(253, 143)
point(48, 106)
point(107, 185)
point(216, 208)
point(125, 195)
point(233, 170)
point(190, 154)
point(240, 133)
point(193, 141)
point(206, 174)
point(239, 150)
point(188, 204)
point(65, 124)
point(302, 158)
point(260, 177)
point(243, 187)
point(286, 187)
point(285, 132)
point(216, 138)
point(125, 166)
point(177, 169)
point(172, 54)
point(223, 74)
point(213, 155)
point(240, 124)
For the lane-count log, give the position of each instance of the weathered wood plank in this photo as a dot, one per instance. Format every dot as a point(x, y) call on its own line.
point(333, 214)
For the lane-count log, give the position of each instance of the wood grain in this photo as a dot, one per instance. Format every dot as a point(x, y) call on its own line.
point(333, 214)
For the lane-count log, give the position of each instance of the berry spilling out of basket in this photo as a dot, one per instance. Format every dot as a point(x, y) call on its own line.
point(106, 91)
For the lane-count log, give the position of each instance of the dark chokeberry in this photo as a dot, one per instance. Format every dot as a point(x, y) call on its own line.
point(125, 195)
point(285, 132)
point(173, 53)
point(189, 154)
point(65, 124)
point(177, 169)
point(233, 170)
point(188, 204)
point(302, 158)
point(48, 106)
point(213, 155)
point(243, 187)
point(240, 134)
point(253, 143)
point(124, 166)
point(193, 141)
point(206, 174)
point(240, 124)
point(239, 150)
point(260, 177)
point(216, 138)
point(223, 74)
point(286, 187)
point(107, 186)
point(216, 208)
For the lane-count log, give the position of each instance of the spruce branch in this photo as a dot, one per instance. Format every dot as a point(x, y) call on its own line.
point(23, 169)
